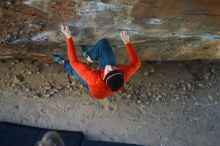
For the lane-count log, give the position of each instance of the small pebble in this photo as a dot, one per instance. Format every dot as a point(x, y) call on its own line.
point(146, 73)
point(210, 97)
point(196, 104)
point(152, 70)
point(29, 73)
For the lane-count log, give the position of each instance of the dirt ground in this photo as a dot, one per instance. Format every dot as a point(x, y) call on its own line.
point(172, 103)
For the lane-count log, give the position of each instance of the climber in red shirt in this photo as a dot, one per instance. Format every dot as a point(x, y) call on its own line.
point(110, 77)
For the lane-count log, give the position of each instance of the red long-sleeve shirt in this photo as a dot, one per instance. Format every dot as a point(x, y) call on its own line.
point(94, 78)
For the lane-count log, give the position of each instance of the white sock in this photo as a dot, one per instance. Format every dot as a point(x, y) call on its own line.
point(89, 59)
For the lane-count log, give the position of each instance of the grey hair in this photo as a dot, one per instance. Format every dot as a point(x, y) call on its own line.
point(51, 138)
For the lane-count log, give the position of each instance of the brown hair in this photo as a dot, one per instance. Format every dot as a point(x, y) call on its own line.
point(51, 138)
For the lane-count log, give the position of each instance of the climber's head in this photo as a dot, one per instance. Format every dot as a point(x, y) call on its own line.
point(113, 78)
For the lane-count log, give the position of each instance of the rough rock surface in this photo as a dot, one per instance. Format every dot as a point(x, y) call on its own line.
point(160, 29)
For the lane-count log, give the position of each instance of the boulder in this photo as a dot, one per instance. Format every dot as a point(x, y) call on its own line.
point(160, 30)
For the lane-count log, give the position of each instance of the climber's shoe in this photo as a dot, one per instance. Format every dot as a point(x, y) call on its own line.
point(85, 51)
point(58, 59)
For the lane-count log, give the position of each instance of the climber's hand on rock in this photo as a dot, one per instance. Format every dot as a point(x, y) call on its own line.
point(66, 31)
point(125, 37)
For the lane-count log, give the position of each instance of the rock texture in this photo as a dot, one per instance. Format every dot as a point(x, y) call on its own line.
point(161, 30)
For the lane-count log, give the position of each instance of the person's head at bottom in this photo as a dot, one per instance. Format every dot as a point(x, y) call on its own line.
point(51, 138)
point(113, 78)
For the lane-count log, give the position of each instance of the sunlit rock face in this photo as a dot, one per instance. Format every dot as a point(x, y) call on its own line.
point(160, 30)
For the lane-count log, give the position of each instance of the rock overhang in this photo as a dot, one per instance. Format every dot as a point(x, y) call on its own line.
point(160, 30)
